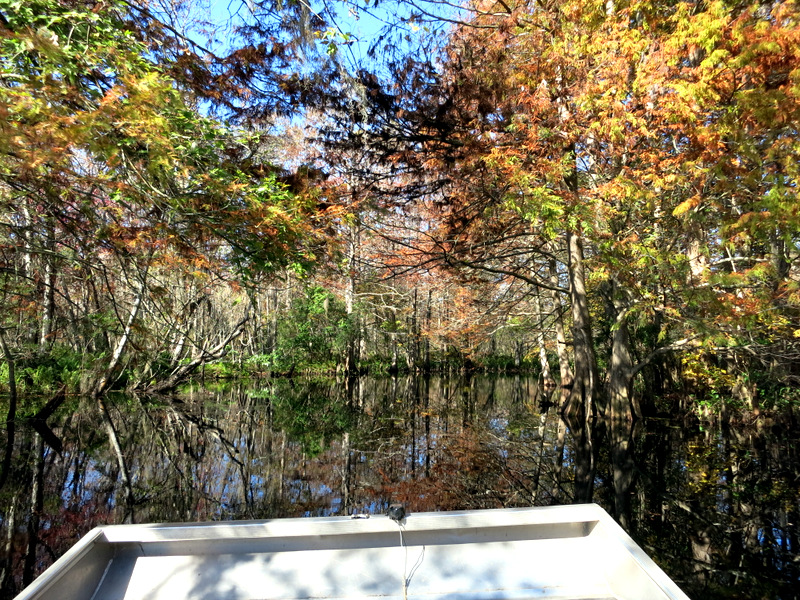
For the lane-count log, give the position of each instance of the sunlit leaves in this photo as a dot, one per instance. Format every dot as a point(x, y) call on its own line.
point(116, 191)
point(666, 133)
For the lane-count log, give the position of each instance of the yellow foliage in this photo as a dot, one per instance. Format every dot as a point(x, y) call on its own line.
point(687, 205)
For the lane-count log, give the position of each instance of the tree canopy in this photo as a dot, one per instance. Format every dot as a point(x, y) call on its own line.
point(113, 177)
point(648, 148)
point(618, 179)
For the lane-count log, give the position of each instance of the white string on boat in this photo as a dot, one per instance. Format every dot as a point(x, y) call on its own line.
point(405, 561)
point(406, 575)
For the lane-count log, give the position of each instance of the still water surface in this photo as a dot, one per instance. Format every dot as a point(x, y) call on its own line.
point(717, 507)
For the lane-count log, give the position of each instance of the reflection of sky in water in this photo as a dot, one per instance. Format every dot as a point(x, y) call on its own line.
point(222, 457)
point(499, 425)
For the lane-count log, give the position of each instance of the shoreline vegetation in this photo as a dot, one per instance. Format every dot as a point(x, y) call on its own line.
point(40, 383)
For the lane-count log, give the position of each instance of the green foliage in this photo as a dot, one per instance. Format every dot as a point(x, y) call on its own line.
point(313, 335)
point(501, 363)
point(46, 373)
point(257, 362)
point(223, 370)
point(376, 366)
point(773, 394)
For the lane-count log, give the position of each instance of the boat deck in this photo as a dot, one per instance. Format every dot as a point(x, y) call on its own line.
point(574, 552)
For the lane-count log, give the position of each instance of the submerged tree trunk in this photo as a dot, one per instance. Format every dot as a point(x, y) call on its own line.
point(583, 458)
point(621, 412)
point(623, 468)
point(7, 560)
point(37, 503)
point(113, 439)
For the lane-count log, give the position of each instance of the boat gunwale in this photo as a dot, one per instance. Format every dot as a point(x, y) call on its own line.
point(343, 525)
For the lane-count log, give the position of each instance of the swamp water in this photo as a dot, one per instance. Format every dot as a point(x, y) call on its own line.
point(716, 507)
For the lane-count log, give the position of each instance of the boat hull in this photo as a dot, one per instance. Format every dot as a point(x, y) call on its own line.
point(573, 551)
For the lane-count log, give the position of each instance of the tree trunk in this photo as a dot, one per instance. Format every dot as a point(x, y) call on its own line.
point(620, 373)
point(427, 343)
point(779, 260)
point(547, 378)
point(106, 380)
point(352, 352)
point(103, 343)
point(584, 386)
point(12, 410)
point(558, 466)
point(413, 330)
point(49, 293)
point(28, 326)
point(347, 474)
point(180, 344)
point(561, 339)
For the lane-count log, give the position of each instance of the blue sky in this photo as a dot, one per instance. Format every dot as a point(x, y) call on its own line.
point(355, 26)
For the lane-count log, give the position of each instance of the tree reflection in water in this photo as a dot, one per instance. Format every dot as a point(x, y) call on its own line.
point(716, 507)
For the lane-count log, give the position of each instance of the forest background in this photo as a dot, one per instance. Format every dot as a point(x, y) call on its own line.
point(603, 193)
